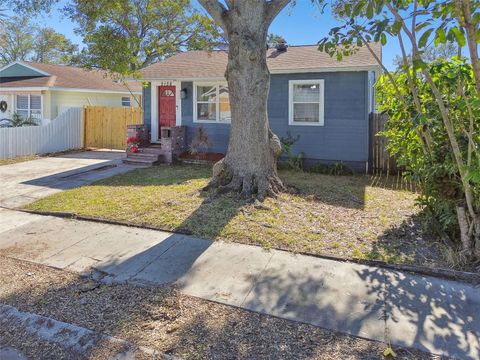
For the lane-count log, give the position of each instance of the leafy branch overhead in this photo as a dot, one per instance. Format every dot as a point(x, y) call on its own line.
point(22, 40)
point(126, 36)
point(434, 105)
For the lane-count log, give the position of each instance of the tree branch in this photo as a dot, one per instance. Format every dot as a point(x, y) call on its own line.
point(273, 9)
point(217, 11)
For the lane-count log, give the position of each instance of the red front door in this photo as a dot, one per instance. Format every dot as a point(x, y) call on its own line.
point(167, 108)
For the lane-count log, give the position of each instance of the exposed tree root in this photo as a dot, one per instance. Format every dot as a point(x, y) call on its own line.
point(259, 183)
point(260, 186)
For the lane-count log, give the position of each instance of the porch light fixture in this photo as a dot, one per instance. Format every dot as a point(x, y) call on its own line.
point(183, 93)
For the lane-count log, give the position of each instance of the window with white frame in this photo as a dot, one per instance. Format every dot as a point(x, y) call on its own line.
point(212, 103)
point(29, 106)
point(306, 102)
point(126, 101)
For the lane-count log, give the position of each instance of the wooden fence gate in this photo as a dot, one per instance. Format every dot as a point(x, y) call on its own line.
point(106, 127)
point(380, 161)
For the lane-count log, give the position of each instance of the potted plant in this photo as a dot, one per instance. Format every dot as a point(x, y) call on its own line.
point(133, 144)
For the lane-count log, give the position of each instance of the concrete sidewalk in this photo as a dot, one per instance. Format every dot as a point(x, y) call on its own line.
point(28, 181)
point(427, 313)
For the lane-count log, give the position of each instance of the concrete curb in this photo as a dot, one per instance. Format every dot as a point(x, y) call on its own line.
point(442, 273)
point(68, 336)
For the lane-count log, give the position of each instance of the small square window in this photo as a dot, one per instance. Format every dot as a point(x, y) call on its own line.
point(29, 106)
point(306, 102)
point(126, 101)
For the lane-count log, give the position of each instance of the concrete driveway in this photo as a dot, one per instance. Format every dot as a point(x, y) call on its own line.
point(25, 182)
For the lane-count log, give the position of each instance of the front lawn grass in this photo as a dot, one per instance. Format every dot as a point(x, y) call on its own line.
point(343, 216)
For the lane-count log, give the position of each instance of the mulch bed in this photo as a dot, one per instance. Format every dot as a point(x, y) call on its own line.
point(163, 319)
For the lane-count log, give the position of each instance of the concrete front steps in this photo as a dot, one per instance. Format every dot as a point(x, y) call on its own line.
point(147, 156)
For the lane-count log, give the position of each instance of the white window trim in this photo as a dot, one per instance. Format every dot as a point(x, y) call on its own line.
point(321, 120)
point(217, 84)
point(129, 101)
point(29, 105)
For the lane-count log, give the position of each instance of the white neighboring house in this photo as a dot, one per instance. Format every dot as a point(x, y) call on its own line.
point(43, 91)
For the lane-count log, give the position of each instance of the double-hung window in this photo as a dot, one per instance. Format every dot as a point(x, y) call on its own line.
point(306, 102)
point(29, 106)
point(126, 101)
point(212, 103)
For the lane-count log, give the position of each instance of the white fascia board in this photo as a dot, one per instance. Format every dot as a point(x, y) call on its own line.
point(7, 89)
point(95, 91)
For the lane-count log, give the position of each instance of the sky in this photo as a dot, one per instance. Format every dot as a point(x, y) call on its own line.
point(300, 25)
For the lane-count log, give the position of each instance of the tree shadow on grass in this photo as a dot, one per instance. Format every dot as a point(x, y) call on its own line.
point(409, 242)
point(345, 191)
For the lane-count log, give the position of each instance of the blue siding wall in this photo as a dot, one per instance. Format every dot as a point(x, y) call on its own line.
point(147, 105)
point(344, 136)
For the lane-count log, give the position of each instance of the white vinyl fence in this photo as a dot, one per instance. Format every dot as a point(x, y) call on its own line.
point(63, 133)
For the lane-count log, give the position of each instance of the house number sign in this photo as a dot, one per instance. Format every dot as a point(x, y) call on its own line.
point(166, 83)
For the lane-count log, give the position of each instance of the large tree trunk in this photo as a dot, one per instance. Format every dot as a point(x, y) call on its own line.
point(250, 165)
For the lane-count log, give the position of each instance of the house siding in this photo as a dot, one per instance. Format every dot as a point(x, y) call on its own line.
point(344, 136)
point(61, 100)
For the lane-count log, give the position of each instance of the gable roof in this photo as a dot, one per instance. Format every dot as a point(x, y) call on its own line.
point(303, 58)
point(61, 77)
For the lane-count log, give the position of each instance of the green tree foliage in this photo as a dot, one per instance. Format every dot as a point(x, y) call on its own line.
point(437, 173)
point(27, 6)
point(21, 40)
point(431, 53)
point(124, 36)
point(434, 107)
point(274, 39)
point(52, 47)
point(16, 41)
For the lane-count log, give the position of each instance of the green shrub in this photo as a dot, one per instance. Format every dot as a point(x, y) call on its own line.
point(292, 162)
point(337, 168)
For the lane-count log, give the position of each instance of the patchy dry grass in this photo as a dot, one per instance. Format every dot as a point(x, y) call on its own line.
point(163, 319)
point(18, 159)
point(346, 216)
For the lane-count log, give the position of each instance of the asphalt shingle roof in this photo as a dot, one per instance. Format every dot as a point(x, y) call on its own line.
point(63, 76)
point(209, 64)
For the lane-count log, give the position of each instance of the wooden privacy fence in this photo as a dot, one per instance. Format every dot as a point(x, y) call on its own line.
point(379, 160)
point(61, 134)
point(106, 127)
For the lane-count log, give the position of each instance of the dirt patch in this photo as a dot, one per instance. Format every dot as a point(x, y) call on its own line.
point(163, 319)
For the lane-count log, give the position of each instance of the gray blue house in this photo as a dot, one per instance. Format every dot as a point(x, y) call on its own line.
point(323, 101)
